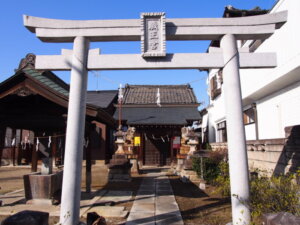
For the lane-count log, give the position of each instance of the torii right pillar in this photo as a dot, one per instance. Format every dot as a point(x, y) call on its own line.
point(237, 153)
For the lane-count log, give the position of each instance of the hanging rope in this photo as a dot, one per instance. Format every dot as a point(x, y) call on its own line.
point(54, 136)
point(159, 138)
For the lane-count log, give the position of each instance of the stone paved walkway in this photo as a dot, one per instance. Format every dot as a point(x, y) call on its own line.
point(155, 203)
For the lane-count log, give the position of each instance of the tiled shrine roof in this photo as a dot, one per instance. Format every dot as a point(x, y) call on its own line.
point(102, 98)
point(169, 94)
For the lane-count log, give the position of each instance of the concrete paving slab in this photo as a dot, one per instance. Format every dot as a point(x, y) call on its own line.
point(141, 199)
point(164, 199)
point(147, 188)
point(164, 193)
point(143, 207)
point(141, 218)
point(155, 203)
point(13, 197)
point(150, 192)
point(169, 218)
point(166, 208)
point(164, 188)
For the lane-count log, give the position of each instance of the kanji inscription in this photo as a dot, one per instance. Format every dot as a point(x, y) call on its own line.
point(153, 34)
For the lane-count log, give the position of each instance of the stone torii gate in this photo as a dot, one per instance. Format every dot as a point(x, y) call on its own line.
point(153, 29)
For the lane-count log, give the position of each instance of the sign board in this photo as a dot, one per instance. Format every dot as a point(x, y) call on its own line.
point(153, 38)
point(176, 142)
point(137, 141)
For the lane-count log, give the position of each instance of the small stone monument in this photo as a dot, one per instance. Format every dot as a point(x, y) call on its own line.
point(187, 173)
point(119, 166)
point(184, 149)
point(130, 143)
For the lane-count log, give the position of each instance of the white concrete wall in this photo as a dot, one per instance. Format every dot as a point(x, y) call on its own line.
point(277, 111)
point(250, 131)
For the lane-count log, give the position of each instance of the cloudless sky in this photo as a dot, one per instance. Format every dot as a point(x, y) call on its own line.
point(16, 41)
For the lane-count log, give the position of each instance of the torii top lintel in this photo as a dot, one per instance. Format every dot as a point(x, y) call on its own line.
point(244, 28)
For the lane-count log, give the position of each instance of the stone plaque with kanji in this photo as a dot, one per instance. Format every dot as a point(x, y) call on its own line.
point(153, 35)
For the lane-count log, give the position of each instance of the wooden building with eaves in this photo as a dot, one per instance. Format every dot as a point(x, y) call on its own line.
point(33, 109)
point(158, 123)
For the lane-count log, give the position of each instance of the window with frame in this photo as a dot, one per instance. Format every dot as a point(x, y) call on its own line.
point(249, 116)
point(222, 132)
point(216, 84)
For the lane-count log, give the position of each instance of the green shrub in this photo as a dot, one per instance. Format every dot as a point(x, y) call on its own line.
point(275, 194)
point(222, 181)
point(210, 168)
point(267, 195)
point(196, 165)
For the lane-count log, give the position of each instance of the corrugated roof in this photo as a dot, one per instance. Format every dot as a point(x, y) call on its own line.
point(169, 94)
point(158, 115)
point(101, 99)
point(45, 79)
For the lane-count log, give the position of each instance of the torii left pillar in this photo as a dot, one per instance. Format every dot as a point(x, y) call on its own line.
point(71, 189)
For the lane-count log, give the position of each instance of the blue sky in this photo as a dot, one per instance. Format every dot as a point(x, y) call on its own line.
point(16, 41)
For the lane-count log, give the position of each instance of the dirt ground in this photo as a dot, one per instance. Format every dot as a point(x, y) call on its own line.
point(11, 178)
point(197, 207)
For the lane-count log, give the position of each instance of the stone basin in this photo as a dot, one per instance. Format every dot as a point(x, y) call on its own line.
point(43, 189)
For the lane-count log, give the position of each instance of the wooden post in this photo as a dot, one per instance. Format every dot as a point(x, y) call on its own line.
point(2, 139)
point(171, 148)
point(142, 147)
point(34, 159)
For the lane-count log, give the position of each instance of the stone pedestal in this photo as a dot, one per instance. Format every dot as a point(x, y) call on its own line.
point(134, 163)
point(120, 142)
point(180, 163)
point(119, 168)
point(187, 174)
point(193, 147)
point(43, 189)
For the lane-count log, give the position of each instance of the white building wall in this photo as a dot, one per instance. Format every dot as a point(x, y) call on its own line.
point(250, 131)
point(276, 90)
point(277, 111)
point(285, 42)
point(216, 112)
